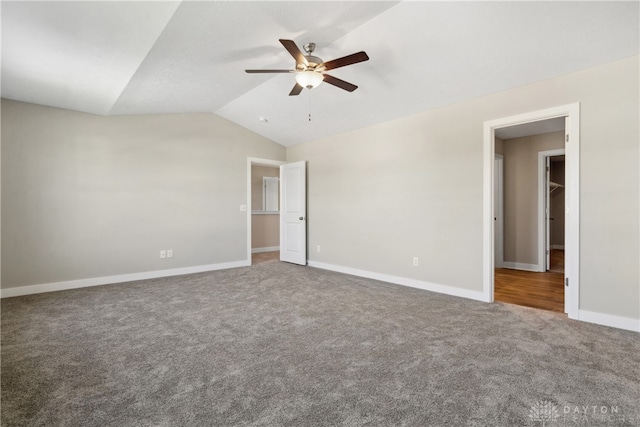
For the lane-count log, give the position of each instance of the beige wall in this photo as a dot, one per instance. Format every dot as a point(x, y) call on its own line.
point(265, 231)
point(521, 194)
point(425, 198)
point(88, 196)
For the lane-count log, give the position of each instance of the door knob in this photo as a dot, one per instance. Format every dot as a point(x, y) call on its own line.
point(301, 218)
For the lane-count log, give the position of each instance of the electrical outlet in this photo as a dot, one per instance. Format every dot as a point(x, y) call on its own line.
point(163, 254)
point(243, 208)
point(169, 253)
point(415, 261)
point(318, 248)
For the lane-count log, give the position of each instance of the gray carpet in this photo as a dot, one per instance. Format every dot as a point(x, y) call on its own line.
point(278, 344)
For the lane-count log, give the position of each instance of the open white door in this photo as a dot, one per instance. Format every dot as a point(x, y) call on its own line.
point(293, 213)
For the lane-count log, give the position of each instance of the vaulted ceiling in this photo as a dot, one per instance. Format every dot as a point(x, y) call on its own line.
point(119, 58)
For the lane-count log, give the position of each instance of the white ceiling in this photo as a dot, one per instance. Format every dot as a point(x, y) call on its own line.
point(124, 57)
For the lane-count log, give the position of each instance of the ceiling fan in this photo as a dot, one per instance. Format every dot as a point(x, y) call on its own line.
point(310, 70)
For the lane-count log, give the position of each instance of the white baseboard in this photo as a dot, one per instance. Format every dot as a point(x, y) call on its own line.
point(427, 286)
point(266, 249)
point(520, 266)
point(609, 320)
point(583, 315)
point(561, 247)
point(98, 281)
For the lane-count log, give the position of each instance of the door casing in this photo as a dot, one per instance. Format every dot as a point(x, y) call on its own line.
point(572, 199)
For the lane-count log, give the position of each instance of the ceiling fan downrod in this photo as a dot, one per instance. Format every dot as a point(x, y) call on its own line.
point(309, 48)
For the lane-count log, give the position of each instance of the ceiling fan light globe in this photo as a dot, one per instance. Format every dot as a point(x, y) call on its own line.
point(308, 78)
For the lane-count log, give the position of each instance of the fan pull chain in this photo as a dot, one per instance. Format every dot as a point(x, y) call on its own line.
point(309, 104)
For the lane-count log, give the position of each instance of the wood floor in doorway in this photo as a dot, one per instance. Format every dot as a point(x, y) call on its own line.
point(537, 290)
point(259, 257)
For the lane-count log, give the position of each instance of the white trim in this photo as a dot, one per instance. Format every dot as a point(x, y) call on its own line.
point(572, 198)
point(488, 236)
point(108, 280)
point(259, 162)
point(610, 320)
point(520, 266)
point(265, 249)
point(433, 287)
point(557, 247)
point(542, 217)
point(265, 212)
point(572, 211)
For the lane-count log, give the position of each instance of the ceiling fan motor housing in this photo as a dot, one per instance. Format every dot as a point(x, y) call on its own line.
point(313, 62)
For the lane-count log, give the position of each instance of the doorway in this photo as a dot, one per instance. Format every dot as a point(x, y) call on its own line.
point(291, 217)
point(551, 204)
point(263, 215)
point(522, 277)
point(570, 279)
point(555, 220)
point(498, 210)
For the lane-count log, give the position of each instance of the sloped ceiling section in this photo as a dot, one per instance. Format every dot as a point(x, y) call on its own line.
point(180, 57)
point(76, 55)
point(120, 57)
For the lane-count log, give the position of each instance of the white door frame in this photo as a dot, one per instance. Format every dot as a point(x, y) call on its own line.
point(499, 222)
point(572, 198)
point(258, 162)
point(543, 202)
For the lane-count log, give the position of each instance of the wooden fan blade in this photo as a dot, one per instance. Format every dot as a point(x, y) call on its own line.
point(339, 83)
point(296, 90)
point(267, 71)
point(345, 60)
point(290, 45)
